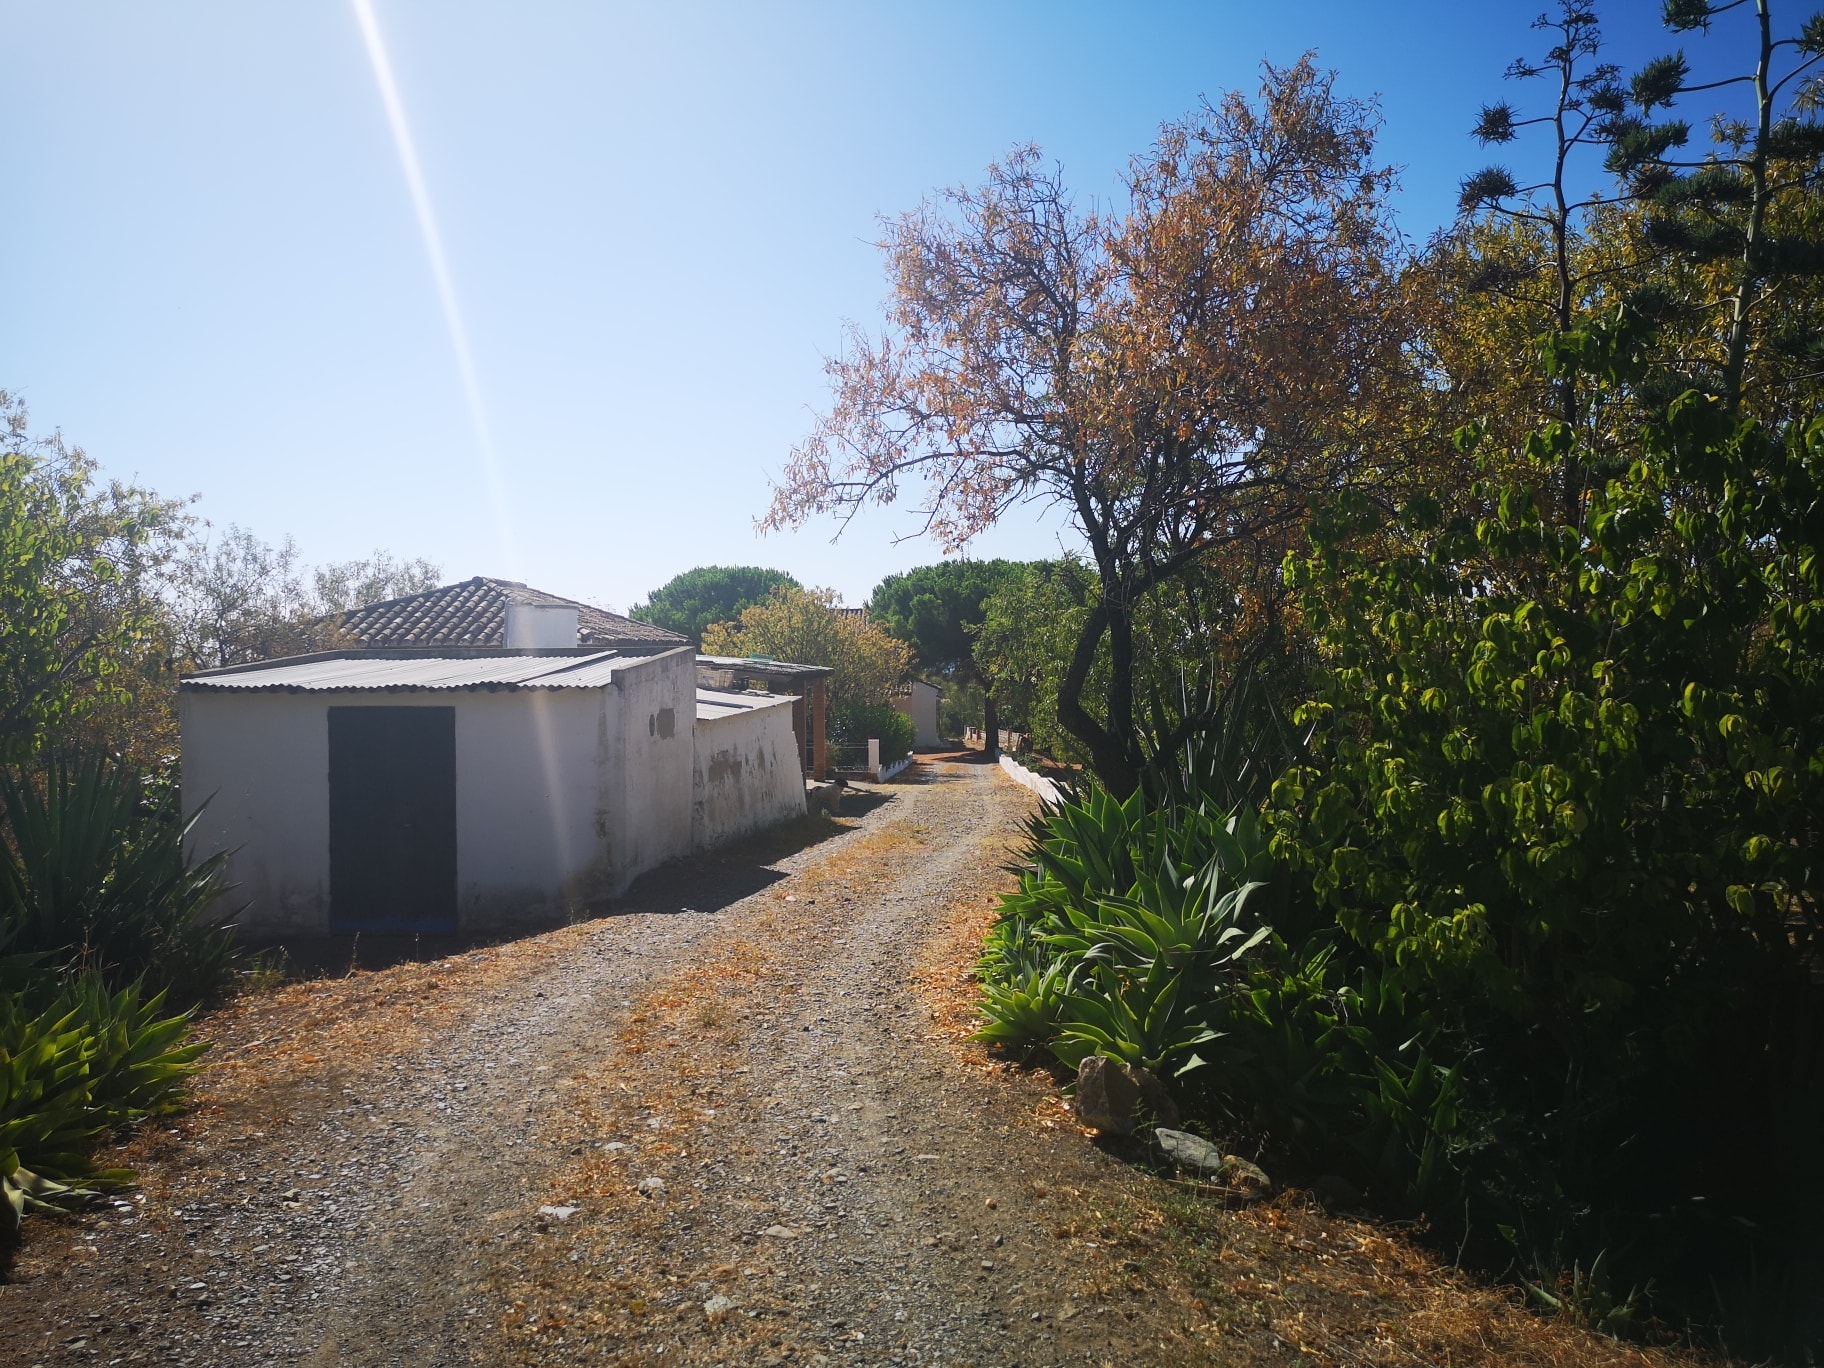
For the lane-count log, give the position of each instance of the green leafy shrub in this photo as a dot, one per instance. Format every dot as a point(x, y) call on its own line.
point(1564, 787)
point(93, 875)
point(1544, 957)
point(97, 899)
point(77, 1061)
point(853, 724)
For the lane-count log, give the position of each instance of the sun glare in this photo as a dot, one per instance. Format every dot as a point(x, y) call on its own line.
point(426, 213)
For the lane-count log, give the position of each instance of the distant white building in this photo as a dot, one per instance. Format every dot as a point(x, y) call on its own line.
point(474, 787)
point(919, 701)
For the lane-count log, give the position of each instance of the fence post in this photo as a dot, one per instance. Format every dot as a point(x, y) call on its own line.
point(874, 757)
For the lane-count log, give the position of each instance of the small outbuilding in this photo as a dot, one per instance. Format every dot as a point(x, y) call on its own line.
point(918, 701)
point(474, 789)
point(809, 684)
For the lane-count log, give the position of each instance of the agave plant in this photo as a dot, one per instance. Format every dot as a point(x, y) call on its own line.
point(1157, 959)
point(1140, 933)
point(74, 1066)
point(1127, 924)
point(1023, 1012)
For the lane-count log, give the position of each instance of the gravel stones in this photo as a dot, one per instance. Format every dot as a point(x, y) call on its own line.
point(771, 1230)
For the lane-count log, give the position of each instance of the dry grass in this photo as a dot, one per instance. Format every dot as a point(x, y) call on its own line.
point(267, 1039)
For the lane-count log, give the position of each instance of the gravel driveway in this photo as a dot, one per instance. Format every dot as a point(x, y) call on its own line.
point(721, 1128)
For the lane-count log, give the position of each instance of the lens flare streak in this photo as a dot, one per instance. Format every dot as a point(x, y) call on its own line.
point(377, 57)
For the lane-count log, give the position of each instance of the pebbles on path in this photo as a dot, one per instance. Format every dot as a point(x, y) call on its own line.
point(838, 1185)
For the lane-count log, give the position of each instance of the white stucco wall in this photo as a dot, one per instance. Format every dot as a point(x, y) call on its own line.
point(530, 778)
point(262, 763)
point(563, 796)
point(646, 820)
point(747, 773)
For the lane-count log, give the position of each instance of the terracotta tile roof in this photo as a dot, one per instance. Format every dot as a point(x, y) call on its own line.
point(474, 613)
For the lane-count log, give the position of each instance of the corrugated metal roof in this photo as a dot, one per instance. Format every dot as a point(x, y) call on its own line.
point(759, 666)
point(423, 672)
point(714, 703)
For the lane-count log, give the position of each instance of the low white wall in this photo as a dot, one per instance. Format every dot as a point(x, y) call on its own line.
point(747, 775)
point(1025, 778)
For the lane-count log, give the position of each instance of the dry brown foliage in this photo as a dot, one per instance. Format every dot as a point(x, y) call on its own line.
point(1179, 377)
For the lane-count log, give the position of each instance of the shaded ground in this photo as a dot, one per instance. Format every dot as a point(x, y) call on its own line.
point(695, 885)
point(735, 1122)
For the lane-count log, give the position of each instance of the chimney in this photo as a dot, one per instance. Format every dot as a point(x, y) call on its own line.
point(541, 626)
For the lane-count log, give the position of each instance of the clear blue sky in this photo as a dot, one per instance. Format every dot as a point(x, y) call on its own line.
point(655, 220)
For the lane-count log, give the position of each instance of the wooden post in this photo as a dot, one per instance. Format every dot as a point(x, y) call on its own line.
point(820, 750)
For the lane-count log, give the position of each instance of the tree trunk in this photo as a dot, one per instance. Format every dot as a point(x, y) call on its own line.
point(991, 727)
point(1108, 757)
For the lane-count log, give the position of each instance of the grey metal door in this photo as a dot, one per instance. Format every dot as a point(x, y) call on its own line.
point(392, 819)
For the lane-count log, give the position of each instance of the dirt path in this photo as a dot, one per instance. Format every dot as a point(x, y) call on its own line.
point(733, 1123)
point(362, 1180)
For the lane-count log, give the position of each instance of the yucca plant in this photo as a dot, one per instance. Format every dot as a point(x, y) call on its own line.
point(1231, 734)
point(94, 875)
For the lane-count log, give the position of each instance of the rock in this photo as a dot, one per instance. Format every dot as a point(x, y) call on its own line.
point(717, 1309)
point(561, 1213)
point(1246, 1180)
point(1204, 1160)
point(1156, 1103)
point(1115, 1097)
point(1105, 1095)
point(780, 1232)
point(1189, 1152)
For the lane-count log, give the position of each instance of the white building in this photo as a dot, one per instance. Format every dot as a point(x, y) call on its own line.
point(473, 789)
point(919, 703)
